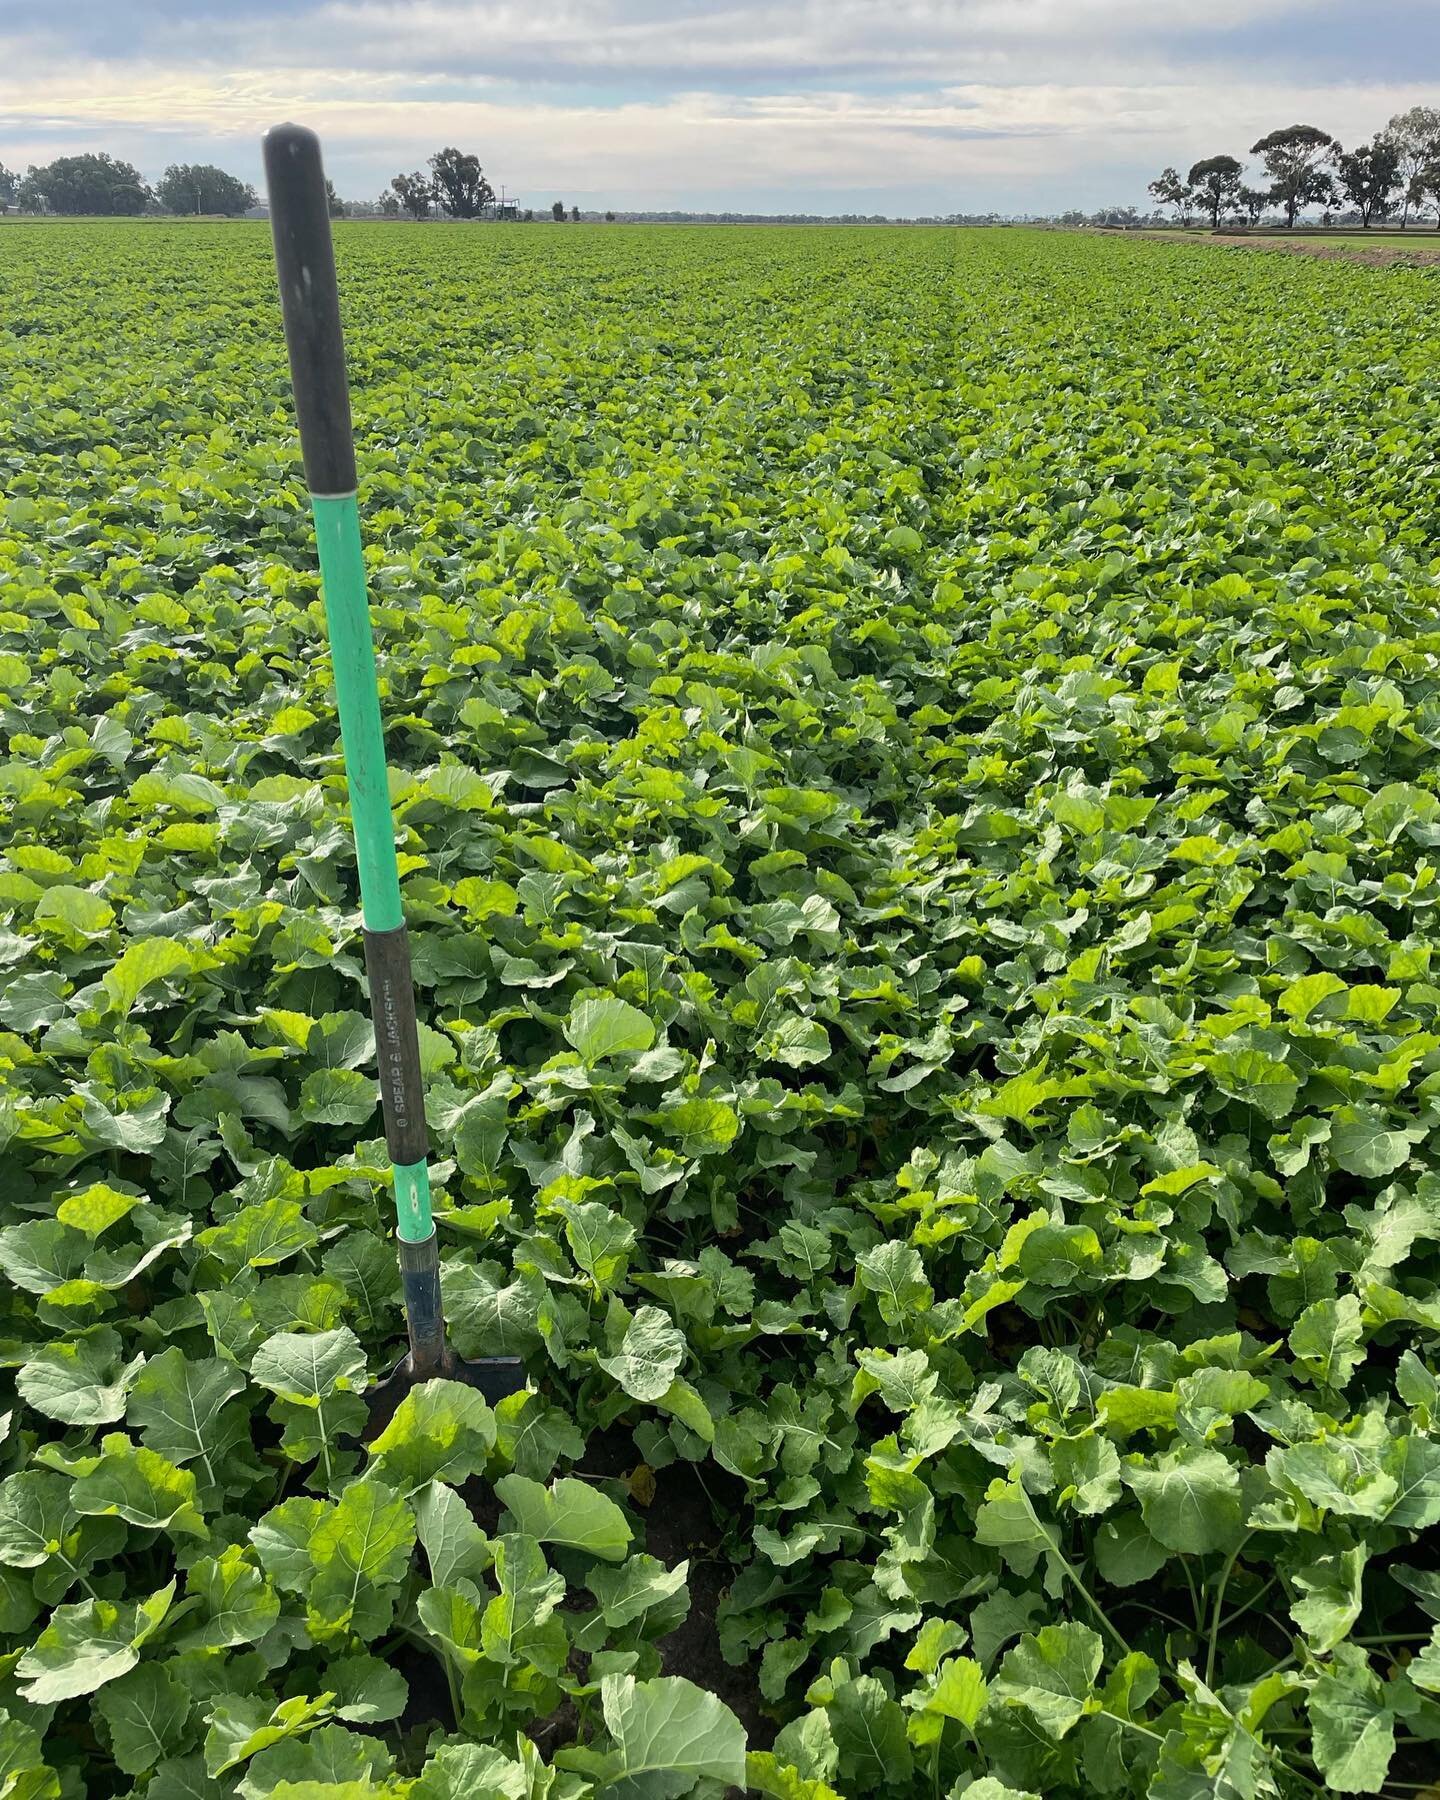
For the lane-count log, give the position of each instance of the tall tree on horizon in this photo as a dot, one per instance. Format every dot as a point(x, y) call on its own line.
point(1415, 134)
point(414, 193)
point(1369, 175)
point(459, 183)
point(1294, 159)
point(1216, 185)
point(1170, 190)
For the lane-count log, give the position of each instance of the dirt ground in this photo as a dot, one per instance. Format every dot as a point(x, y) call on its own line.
point(1376, 255)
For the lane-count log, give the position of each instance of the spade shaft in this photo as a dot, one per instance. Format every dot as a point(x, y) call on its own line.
point(310, 302)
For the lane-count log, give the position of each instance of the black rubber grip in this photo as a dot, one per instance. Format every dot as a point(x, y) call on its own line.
point(310, 301)
point(397, 1043)
point(420, 1280)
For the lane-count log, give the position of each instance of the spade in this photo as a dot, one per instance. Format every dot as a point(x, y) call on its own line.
point(310, 302)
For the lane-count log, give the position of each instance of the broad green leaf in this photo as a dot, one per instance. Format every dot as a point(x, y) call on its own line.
point(441, 1431)
point(895, 1274)
point(308, 1367)
point(455, 1546)
point(641, 1588)
point(241, 1727)
point(1189, 1499)
point(146, 1712)
point(88, 1644)
point(96, 1208)
point(670, 1727)
point(1326, 1340)
point(869, 1732)
point(702, 1127)
point(176, 1405)
point(80, 1382)
point(1363, 1142)
point(237, 1604)
point(650, 1353)
point(1053, 1675)
point(145, 962)
point(602, 1026)
point(142, 1487)
point(363, 1543)
point(1354, 1732)
point(35, 1515)
point(1331, 1590)
point(568, 1512)
point(338, 1097)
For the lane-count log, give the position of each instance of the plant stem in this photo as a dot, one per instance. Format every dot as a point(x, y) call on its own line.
point(1215, 1615)
point(1254, 1600)
point(1194, 1595)
point(1073, 1573)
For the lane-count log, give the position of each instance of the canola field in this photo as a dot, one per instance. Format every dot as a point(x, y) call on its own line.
point(916, 760)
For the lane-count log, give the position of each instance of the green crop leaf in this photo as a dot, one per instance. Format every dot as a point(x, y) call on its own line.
point(455, 1546)
point(642, 1589)
point(650, 1353)
point(309, 1367)
point(513, 1627)
point(146, 1713)
point(568, 1512)
point(282, 1539)
point(35, 1517)
point(364, 1541)
point(1363, 1142)
point(1331, 1597)
point(601, 1026)
point(672, 1729)
point(27, 1775)
point(700, 1127)
point(327, 1763)
point(96, 1208)
point(87, 1645)
point(1053, 1675)
point(145, 962)
point(367, 1691)
point(1189, 1499)
point(441, 1431)
point(82, 1381)
point(1006, 1521)
point(237, 1604)
point(1354, 1732)
point(142, 1487)
point(177, 1404)
point(869, 1732)
point(243, 1727)
point(599, 1240)
point(960, 1692)
point(895, 1274)
point(1326, 1340)
point(338, 1097)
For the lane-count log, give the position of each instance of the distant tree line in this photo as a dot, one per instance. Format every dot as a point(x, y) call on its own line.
point(1304, 167)
point(98, 184)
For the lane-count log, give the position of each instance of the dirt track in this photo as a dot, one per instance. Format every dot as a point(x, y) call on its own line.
point(1376, 255)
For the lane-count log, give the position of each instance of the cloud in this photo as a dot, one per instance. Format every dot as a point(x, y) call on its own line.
point(850, 104)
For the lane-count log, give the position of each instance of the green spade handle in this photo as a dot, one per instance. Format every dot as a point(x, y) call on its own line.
point(310, 302)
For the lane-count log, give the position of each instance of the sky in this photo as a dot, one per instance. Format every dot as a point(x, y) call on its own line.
point(891, 106)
